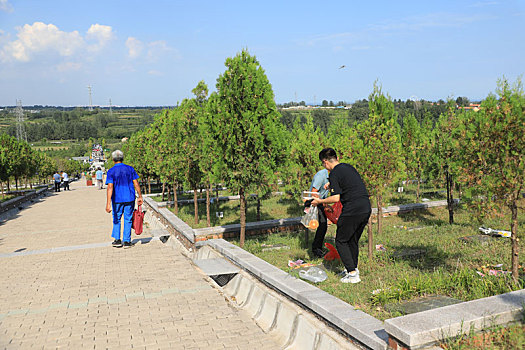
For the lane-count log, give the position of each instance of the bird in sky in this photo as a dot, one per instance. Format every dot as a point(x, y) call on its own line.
point(343, 66)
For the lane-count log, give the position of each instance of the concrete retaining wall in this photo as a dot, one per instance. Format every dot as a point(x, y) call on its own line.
point(288, 307)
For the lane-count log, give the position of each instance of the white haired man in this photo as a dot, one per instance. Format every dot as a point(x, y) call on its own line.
point(122, 183)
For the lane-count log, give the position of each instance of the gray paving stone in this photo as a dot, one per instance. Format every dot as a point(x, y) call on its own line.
point(214, 267)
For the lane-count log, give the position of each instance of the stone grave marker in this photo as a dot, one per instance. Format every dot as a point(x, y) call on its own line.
point(268, 247)
point(482, 239)
point(409, 253)
point(421, 304)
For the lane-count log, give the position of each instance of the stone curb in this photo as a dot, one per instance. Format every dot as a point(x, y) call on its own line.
point(15, 202)
point(362, 327)
point(428, 327)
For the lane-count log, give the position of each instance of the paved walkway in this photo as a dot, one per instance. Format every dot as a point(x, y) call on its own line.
point(63, 286)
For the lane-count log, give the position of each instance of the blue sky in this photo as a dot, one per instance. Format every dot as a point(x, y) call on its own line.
point(155, 52)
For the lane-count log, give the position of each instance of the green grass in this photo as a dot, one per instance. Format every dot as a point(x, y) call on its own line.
point(272, 208)
point(448, 265)
point(6, 197)
point(509, 338)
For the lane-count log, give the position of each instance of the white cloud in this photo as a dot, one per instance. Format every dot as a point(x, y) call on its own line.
point(134, 46)
point(37, 38)
point(155, 73)
point(158, 49)
point(69, 66)
point(409, 24)
point(5, 6)
point(150, 52)
point(101, 34)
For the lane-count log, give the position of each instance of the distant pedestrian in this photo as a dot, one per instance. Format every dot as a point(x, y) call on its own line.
point(65, 177)
point(122, 184)
point(57, 179)
point(99, 174)
point(347, 186)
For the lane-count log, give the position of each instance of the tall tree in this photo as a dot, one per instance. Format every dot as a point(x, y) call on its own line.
point(493, 152)
point(445, 150)
point(303, 162)
point(247, 127)
point(380, 158)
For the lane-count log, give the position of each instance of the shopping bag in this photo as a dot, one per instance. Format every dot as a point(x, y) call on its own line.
point(137, 221)
point(333, 212)
point(332, 253)
point(311, 218)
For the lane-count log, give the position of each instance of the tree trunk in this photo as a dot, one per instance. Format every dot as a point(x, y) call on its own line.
point(450, 199)
point(370, 239)
point(514, 237)
point(16, 182)
point(217, 192)
point(242, 199)
point(163, 189)
point(149, 185)
point(175, 197)
point(2, 188)
point(168, 197)
point(208, 218)
point(379, 214)
point(258, 208)
point(418, 189)
point(8, 187)
point(196, 205)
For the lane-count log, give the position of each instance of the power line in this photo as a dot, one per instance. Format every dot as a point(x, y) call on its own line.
point(90, 101)
point(20, 128)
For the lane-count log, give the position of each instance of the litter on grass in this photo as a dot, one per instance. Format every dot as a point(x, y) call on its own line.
point(380, 248)
point(332, 253)
point(492, 232)
point(313, 274)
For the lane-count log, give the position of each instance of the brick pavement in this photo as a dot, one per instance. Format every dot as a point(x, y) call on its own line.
point(96, 296)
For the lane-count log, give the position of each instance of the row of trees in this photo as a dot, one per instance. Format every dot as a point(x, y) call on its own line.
point(235, 137)
point(19, 162)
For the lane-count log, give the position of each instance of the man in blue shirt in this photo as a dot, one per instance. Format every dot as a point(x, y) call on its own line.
point(122, 182)
point(99, 174)
point(57, 179)
point(318, 185)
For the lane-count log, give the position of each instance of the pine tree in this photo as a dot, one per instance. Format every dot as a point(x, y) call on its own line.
point(246, 125)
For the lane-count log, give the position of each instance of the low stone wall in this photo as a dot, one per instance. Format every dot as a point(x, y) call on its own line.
point(426, 328)
point(15, 202)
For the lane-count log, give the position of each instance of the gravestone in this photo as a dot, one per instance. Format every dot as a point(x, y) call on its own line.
point(409, 253)
point(268, 247)
point(482, 239)
point(421, 304)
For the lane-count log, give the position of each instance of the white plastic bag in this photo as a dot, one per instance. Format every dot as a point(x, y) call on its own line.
point(311, 218)
point(313, 274)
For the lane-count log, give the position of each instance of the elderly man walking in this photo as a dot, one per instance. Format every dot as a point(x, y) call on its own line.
point(122, 182)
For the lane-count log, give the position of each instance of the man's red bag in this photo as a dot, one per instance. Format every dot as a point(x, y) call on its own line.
point(333, 212)
point(137, 221)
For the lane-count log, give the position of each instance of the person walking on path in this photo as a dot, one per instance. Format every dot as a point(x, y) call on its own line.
point(57, 179)
point(65, 177)
point(347, 186)
point(99, 174)
point(318, 186)
point(122, 182)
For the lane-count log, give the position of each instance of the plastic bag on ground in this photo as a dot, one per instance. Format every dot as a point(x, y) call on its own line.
point(311, 219)
point(313, 274)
